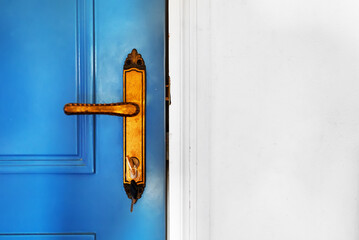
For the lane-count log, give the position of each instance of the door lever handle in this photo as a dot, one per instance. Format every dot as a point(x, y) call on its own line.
point(133, 109)
point(121, 109)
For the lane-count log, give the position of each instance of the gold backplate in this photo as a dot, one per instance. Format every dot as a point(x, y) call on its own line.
point(134, 91)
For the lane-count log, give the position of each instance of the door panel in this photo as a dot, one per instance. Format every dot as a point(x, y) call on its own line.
point(47, 53)
point(48, 237)
point(59, 174)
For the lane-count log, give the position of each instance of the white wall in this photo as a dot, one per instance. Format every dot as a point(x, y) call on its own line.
point(273, 132)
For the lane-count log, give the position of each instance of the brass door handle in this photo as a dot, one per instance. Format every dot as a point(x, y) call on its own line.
point(121, 109)
point(133, 109)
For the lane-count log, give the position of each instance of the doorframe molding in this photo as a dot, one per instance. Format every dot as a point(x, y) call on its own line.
point(182, 194)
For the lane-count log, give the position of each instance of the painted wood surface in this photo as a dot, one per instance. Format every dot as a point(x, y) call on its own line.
point(63, 174)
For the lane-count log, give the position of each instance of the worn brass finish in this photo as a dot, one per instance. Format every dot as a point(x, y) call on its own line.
point(134, 127)
point(125, 109)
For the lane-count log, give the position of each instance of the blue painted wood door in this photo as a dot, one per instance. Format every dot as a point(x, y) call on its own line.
point(61, 176)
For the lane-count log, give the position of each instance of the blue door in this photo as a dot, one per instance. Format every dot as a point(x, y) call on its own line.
point(61, 177)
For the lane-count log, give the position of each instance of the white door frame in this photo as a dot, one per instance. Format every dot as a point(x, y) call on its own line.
point(182, 221)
